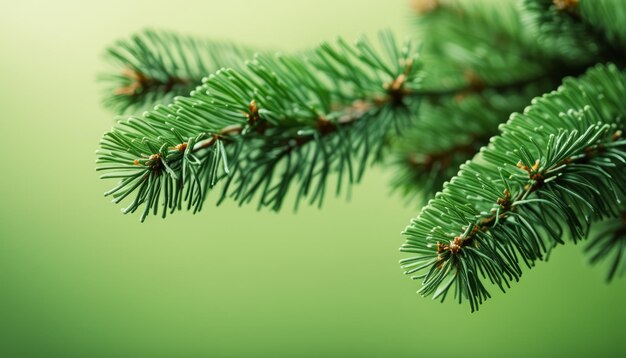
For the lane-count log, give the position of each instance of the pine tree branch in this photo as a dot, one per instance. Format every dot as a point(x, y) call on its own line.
point(579, 30)
point(484, 39)
point(516, 198)
point(285, 119)
point(157, 66)
point(523, 69)
point(607, 18)
point(558, 48)
point(560, 31)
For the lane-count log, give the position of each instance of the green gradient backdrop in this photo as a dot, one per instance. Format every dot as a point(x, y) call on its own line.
point(77, 278)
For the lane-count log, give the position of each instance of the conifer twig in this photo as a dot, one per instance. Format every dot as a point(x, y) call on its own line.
point(499, 209)
point(245, 126)
point(155, 66)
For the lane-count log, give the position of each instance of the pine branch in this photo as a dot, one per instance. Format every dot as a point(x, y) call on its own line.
point(482, 40)
point(283, 120)
point(157, 66)
point(508, 71)
point(554, 169)
point(606, 17)
point(579, 30)
point(560, 31)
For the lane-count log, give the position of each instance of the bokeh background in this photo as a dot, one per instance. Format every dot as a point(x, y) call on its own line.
point(79, 279)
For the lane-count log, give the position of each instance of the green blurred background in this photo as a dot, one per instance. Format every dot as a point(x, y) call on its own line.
point(77, 278)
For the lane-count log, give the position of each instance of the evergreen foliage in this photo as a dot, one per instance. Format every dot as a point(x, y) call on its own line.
point(284, 119)
point(157, 66)
point(552, 172)
point(265, 127)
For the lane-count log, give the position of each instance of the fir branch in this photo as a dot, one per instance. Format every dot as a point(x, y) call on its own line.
point(483, 42)
point(606, 17)
point(579, 30)
point(154, 67)
point(285, 119)
point(560, 31)
point(555, 168)
point(501, 79)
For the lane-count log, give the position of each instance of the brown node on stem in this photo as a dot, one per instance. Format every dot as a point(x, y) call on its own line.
point(485, 223)
point(154, 162)
point(424, 6)
point(565, 5)
point(454, 246)
point(505, 205)
point(179, 147)
point(505, 202)
point(253, 114)
point(324, 126)
point(533, 172)
point(254, 118)
point(590, 151)
point(474, 85)
point(395, 89)
point(474, 82)
point(616, 136)
point(138, 81)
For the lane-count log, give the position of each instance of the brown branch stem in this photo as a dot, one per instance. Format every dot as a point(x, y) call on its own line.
point(142, 82)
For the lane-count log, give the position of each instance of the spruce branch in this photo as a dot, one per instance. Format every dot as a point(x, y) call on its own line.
point(284, 119)
point(555, 168)
point(607, 18)
point(580, 30)
point(481, 41)
point(501, 78)
point(155, 66)
point(560, 30)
